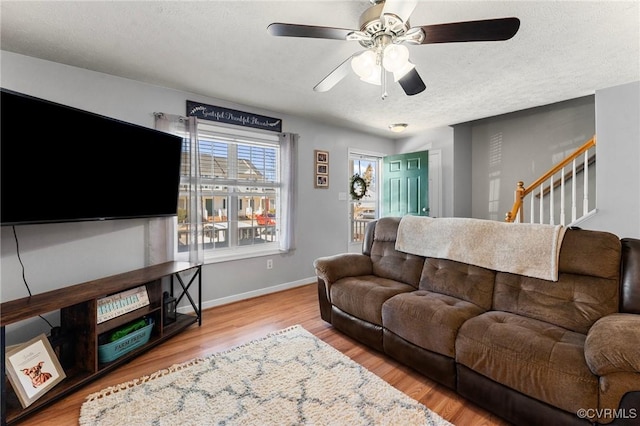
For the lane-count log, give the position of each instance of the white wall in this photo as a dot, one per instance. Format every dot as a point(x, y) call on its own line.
point(58, 255)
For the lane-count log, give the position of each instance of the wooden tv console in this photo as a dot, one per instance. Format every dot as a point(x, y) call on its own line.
point(79, 330)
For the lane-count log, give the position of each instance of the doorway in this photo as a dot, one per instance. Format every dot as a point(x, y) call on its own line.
point(363, 195)
point(370, 167)
point(405, 184)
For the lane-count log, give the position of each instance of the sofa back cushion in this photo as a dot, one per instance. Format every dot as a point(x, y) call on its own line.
point(467, 282)
point(387, 261)
point(587, 288)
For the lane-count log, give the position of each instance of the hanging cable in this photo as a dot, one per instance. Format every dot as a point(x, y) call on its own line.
point(24, 278)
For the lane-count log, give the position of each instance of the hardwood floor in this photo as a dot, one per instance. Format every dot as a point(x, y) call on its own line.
point(230, 325)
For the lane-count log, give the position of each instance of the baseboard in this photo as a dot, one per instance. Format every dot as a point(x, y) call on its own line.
point(578, 221)
point(249, 294)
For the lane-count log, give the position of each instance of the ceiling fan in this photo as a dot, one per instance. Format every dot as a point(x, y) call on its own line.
point(384, 29)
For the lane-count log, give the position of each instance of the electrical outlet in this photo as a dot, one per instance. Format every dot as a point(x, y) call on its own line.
point(269, 263)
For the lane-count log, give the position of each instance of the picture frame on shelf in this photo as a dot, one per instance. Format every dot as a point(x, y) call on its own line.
point(321, 169)
point(33, 369)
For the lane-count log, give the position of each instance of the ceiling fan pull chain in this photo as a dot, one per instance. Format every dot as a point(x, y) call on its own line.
point(384, 84)
point(383, 78)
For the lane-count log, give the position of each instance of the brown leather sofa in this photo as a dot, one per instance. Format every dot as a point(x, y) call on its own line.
point(533, 352)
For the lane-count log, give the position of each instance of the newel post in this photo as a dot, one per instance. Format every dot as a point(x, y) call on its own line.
point(520, 199)
point(517, 204)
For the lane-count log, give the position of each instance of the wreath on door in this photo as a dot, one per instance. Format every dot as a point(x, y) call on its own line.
point(358, 187)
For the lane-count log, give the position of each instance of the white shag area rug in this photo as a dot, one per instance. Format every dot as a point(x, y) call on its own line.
point(289, 377)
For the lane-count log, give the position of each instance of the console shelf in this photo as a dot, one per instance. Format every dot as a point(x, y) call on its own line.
point(77, 305)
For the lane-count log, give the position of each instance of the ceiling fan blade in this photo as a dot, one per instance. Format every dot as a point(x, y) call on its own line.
point(485, 30)
point(335, 76)
point(412, 83)
point(401, 8)
point(310, 31)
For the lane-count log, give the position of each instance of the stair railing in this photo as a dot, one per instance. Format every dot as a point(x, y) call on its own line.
point(555, 177)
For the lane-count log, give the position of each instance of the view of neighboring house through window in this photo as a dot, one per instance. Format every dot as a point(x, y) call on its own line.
point(365, 209)
point(240, 192)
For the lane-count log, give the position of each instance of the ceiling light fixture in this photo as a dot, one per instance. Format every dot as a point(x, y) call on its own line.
point(384, 27)
point(398, 127)
point(366, 66)
point(394, 58)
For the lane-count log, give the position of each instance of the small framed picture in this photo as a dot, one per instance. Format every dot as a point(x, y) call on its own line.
point(33, 369)
point(322, 157)
point(322, 169)
point(322, 181)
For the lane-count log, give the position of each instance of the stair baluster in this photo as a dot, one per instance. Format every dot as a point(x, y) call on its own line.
point(517, 212)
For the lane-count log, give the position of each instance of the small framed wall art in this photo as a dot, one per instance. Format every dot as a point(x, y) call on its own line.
point(321, 169)
point(33, 369)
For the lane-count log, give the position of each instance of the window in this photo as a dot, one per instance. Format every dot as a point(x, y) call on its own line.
point(240, 188)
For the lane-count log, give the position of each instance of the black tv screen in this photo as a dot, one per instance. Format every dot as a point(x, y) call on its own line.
point(62, 164)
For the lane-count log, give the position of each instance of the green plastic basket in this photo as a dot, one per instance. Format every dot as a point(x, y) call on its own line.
point(114, 350)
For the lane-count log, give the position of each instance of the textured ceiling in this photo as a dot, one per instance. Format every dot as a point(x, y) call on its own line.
point(221, 49)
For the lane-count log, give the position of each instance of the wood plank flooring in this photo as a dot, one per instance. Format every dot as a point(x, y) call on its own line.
point(230, 325)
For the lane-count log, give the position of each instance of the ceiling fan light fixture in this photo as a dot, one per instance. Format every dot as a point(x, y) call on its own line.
point(395, 57)
point(364, 64)
point(375, 77)
point(384, 27)
point(397, 75)
point(398, 127)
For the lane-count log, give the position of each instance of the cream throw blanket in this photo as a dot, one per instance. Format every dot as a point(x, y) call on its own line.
point(519, 248)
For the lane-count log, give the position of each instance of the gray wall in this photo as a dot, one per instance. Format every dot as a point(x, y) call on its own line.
point(436, 139)
point(463, 166)
point(454, 143)
point(542, 135)
point(64, 254)
point(58, 255)
point(618, 151)
point(522, 146)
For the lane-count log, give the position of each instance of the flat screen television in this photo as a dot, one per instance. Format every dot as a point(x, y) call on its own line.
point(63, 164)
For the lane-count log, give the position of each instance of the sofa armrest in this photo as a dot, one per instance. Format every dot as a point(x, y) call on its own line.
point(613, 344)
point(333, 268)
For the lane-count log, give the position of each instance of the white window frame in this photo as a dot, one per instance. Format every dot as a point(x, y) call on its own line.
point(233, 136)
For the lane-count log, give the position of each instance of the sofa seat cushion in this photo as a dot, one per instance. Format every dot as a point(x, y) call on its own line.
point(363, 296)
point(539, 359)
point(428, 320)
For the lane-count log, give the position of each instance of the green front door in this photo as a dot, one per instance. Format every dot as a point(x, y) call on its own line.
point(405, 184)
